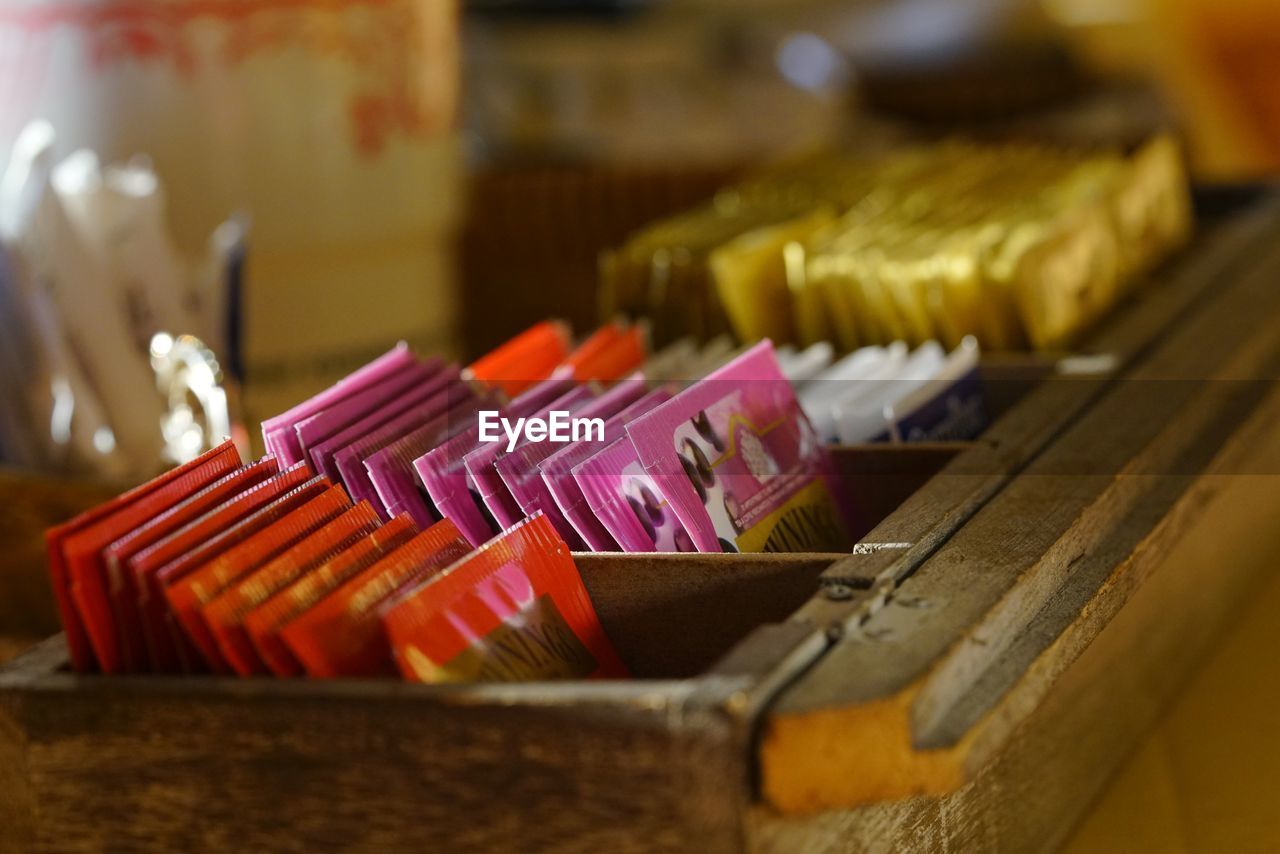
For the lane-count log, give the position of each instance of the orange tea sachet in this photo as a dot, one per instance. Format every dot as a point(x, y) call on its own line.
point(263, 623)
point(342, 635)
point(224, 614)
point(525, 360)
point(121, 583)
point(167, 649)
point(75, 548)
point(608, 354)
point(515, 609)
point(280, 531)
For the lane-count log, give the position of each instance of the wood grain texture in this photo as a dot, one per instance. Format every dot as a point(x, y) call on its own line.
point(674, 615)
point(1089, 696)
point(582, 211)
point(898, 696)
point(210, 764)
point(128, 762)
point(28, 505)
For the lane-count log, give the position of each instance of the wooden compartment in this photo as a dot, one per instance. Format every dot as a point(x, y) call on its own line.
point(967, 678)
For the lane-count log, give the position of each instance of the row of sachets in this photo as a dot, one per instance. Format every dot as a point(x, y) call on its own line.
point(347, 547)
point(1014, 244)
point(645, 463)
point(256, 570)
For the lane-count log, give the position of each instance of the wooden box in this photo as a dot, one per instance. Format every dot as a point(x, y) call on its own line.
point(966, 679)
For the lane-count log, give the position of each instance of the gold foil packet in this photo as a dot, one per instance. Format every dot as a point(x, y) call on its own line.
point(1015, 244)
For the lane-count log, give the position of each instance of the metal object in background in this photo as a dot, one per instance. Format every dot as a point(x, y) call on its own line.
point(190, 381)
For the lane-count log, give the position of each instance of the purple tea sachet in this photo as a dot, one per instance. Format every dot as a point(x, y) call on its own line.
point(479, 462)
point(432, 394)
point(539, 396)
point(278, 433)
point(391, 468)
point(350, 461)
point(556, 472)
point(444, 476)
point(443, 472)
point(520, 469)
point(443, 390)
point(628, 503)
point(740, 464)
point(315, 428)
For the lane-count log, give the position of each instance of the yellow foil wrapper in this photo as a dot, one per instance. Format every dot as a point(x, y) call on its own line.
point(1067, 280)
point(750, 278)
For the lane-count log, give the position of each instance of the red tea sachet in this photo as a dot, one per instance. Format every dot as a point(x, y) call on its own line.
point(608, 354)
point(166, 648)
point(526, 359)
point(121, 584)
point(75, 549)
point(342, 635)
point(515, 609)
point(224, 615)
point(263, 623)
point(189, 593)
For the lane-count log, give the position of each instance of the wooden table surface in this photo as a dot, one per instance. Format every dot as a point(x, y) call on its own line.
point(1206, 778)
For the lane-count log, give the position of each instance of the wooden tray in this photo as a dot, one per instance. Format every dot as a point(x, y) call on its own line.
point(968, 678)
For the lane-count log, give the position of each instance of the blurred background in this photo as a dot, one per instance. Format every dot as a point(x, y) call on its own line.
point(235, 203)
point(210, 209)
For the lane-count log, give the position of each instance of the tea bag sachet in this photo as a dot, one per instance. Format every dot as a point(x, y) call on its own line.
point(225, 613)
point(168, 651)
point(515, 609)
point(280, 529)
point(740, 464)
point(341, 635)
point(556, 472)
point(74, 549)
point(122, 584)
point(264, 622)
point(520, 469)
point(279, 432)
